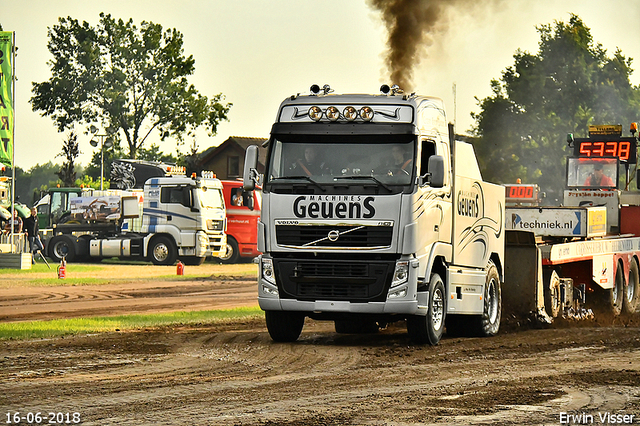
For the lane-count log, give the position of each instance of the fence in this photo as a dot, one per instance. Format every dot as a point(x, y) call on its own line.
point(19, 240)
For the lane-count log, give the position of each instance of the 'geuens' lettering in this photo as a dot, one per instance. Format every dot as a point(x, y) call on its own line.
point(303, 207)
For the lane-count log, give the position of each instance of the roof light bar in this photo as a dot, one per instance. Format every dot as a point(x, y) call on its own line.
point(333, 113)
point(366, 113)
point(349, 113)
point(315, 113)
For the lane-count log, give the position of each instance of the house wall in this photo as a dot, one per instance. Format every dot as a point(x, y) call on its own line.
point(220, 163)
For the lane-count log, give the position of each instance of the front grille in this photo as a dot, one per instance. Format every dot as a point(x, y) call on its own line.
point(352, 236)
point(330, 269)
point(332, 291)
point(353, 280)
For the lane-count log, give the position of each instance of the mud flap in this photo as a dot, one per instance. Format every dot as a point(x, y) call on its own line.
point(523, 291)
point(423, 302)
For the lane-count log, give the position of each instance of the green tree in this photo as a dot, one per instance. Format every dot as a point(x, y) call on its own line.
point(153, 153)
point(70, 151)
point(30, 183)
point(131, 80)
point(570, 83)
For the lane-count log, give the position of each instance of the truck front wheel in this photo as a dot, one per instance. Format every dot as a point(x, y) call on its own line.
point(284, 326)
point(162, 251)
point(429, 328)
point(193, 260)
point(232, 255)
point(61, 246)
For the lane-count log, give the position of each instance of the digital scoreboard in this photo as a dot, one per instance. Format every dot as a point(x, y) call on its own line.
point(522, 193)
point(623, 148)
point(607, 141)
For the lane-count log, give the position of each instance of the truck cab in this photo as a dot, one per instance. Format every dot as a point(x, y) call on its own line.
point(173, 218)
point(243, 214)
point(54, 207)
point(189, 211)
point(373, 213)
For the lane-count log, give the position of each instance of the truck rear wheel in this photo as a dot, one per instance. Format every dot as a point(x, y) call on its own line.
point(62, 246)
point(162, 251)
point(429, 328)
point(284, 326)
point(488, 323)
point(632, 293)
point(615, 296)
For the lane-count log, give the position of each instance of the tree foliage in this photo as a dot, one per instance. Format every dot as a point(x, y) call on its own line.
point(570, 83)
point(70, 151)
point(30, 183)
point(130, 80)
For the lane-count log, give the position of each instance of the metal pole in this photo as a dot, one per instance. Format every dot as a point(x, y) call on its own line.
point(13, 141)
point(101, 163)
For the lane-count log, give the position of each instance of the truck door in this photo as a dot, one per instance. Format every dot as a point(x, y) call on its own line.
point(434, 204)
point(177, 204)
point(60, 206)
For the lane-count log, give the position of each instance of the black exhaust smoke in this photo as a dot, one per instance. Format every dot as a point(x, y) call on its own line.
point(411, 25)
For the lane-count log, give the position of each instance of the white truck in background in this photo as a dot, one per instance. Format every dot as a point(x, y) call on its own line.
point(173, 217)
point(389, 221)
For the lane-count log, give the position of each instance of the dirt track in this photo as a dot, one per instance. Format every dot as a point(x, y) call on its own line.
point(233, 374)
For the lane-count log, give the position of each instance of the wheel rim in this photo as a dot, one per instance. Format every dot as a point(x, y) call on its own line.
point(437, 309)
point(161, 252)
point(229, 253)
point(492, 301)
point(617, 288)
point(61, 250)
point(631, 287)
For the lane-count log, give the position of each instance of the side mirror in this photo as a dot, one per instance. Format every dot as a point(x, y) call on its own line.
point(187, 199)
point(250, 172)
point(436, 171)
point(250, 201)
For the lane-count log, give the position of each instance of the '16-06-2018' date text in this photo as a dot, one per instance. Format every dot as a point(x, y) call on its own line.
point(49, 418)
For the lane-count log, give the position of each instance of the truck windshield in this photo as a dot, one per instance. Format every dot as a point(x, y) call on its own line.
point(592, 173)
point(343, 160)
point(211, 198)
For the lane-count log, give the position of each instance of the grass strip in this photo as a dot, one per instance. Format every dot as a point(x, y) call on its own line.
point(73, 326)
point(52, 268)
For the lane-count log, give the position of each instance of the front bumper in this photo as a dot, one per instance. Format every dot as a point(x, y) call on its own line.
point(340, 294)
point(217, 245)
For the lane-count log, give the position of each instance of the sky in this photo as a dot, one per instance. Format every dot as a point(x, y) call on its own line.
point(258, 52)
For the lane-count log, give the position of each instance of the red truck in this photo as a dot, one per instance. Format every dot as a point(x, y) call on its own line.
point(243, 213)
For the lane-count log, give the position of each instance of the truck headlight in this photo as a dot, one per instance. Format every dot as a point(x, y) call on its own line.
point(268, 273)
point(401, 273)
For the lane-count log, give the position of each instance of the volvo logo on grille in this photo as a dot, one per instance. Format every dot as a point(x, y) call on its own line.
point(333, 235)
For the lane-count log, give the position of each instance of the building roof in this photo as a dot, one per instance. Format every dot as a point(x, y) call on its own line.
point(238, 141)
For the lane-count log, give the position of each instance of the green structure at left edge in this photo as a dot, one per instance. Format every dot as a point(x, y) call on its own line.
point(6, 97)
